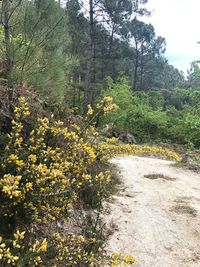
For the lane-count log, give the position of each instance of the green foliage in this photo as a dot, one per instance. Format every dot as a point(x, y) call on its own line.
point(40, 45)
point(194, 74)
point(156, 116)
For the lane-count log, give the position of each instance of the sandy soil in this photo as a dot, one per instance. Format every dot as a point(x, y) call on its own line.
point(156, 220)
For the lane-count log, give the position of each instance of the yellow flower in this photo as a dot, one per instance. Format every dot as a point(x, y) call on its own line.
point(32, 158)
point(90, 110)
point(43, 246)
point(12, 157)
point(10, 185)
point(19, 163)
point(22, 100)
point(29, 186)
point(17, 109)
point(19, 235)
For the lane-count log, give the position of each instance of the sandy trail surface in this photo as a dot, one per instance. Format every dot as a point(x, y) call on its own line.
point(156, 218)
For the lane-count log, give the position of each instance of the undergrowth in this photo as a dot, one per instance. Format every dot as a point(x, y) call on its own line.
point(47, 173)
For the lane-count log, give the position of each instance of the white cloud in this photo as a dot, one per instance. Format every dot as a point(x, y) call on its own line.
point(178, 21)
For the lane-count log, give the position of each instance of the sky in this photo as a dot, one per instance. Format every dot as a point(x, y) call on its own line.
point(179, 22)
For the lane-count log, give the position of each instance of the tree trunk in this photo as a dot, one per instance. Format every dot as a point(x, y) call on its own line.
point(111, 41)
point(136, 67)
point(89, 58)
point(9, 61)
point(93, 79)
point(141, 68)
point(110, 49)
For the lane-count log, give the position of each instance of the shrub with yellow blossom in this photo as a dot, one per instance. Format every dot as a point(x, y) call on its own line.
point(107, 105)
point(111, 148)
point(44, 172)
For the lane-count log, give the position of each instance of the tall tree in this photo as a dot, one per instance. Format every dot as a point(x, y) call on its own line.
point(147, 48)
point(105, 13)
point(8, 9)
point(194, 74)
point(89, 55)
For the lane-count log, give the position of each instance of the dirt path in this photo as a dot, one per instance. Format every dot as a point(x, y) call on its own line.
point(156, 219)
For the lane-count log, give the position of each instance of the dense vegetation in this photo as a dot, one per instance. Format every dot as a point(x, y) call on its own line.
point(71, 70)
point(158, 116)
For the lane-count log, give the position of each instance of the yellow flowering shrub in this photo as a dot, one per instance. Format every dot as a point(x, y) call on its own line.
point(11, 249)
point(107, 105)
point(45, 172)
point(118, 259)
point(111, 148)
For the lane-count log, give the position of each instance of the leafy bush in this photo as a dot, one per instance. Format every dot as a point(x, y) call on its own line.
point(155, 116)
point(45, 173)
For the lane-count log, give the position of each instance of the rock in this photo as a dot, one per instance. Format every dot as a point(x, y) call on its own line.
point(126, 137)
